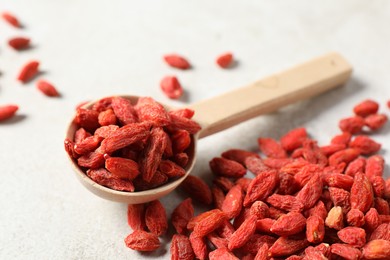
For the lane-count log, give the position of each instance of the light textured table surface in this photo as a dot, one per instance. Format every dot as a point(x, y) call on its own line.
point(93, 48)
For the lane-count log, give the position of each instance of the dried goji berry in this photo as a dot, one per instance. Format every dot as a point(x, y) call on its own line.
point(228, 168)
point(353, 236)
point(7, 111)
point(11, 19)
point(171, 87)
point(238, 155)
point(335, 218)
point(285, 246)
point(87, 145)
point(171, 169)
point(47, 88)
point(374, 166)
point(255, 165)
point(209, 223)
point(218, 197)
point(225, 60)
point(177, 61)
point(375, 121)
point(271, 148)
point(178, 122)
point(315, 229)
point(366, 107)
point(181, 140)
point(346, 156)
point(352, 125)
point(224, 183)
point(181, 248)
point(181, 215)
point(28, 71)
point(261, 187)
point(311, 192)
point(136, 216)
point(362, 195)
point(142, 241)
point(342, 138)
point(148, 109)
point(293, 139)
point(156, 218)
point(124, 110)
point(19, 43)
point(365, 144)
point(122, 168)
point(125, 136)
point(285, 202)
point(243, 233)
point(381, 232)
point(345, 251)
point(105, 178)
point(355, 218)
point(197, 189)
point(377, 249)
point(222, 253)
point(233, 202)
point(356, 166)
point(199, 246)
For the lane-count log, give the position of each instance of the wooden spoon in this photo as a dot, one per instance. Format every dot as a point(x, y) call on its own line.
point(216, 114)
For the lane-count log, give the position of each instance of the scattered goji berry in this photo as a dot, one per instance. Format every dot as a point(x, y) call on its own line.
point(7, 111)
point(366, 108)
point(375, 121)
point(142, 241)
point(28, 71)
point(19, 43)
point(11, 19)
point(225, 60)
point(171, 87)
point(177, 61)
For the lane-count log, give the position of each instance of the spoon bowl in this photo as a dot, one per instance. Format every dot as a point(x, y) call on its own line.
point(216, 114)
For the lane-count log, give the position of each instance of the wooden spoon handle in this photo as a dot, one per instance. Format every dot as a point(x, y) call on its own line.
point(303, 81)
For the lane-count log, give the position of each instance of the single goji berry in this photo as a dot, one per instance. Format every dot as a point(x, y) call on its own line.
point(19, 43)
point(156, 218)
point(365, 144)
point(366, 108)
point(177, 61)
point(228, 168)
point(225, 60)
point(353, 236)
point(377, 249)
point(315, 229)
point(181, 248)
point(352, 125)
point(142, 241)
point(11, 19)
point(375, 121)
point(28, 71)
point(171, 87)
point(181, 215)
point(238, 155)
point(271, 148)
point(136, 216)
point(123, 110)
point(197, 189)
point(7, 111)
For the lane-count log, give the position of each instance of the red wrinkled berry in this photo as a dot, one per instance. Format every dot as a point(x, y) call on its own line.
point(47, 88)
point(28, 71)
point(19, 43)
point(171, 87)
point(7, 111)
point(177, 61)
point(11, 19)
point(225, 60)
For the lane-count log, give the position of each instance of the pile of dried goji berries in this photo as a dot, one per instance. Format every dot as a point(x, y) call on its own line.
point(305, 202)
point(27, 72)
point(131, 147)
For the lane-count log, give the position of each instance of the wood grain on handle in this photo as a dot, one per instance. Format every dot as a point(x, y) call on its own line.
point(266, 95)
